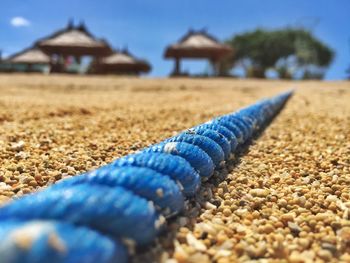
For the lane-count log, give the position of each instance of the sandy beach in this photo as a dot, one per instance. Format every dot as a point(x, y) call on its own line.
point(285, 198)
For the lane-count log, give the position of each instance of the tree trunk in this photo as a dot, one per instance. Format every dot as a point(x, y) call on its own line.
point(283, 73)
point(256, 72)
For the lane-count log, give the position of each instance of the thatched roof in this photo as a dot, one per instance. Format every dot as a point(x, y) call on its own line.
point(197, 44)
point(32, 55)
point(123, 62)
point(74, 41)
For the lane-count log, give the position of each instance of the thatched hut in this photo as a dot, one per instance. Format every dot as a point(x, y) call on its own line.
point(121, 63)
point(31, 59)
point(197, 45)
point(72, 41)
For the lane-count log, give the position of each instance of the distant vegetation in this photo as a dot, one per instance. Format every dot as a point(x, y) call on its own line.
point(291, 53)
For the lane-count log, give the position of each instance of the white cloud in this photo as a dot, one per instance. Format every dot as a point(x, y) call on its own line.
point(19, 21)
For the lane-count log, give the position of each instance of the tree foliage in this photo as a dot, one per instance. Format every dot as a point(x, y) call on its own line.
point(288, 51)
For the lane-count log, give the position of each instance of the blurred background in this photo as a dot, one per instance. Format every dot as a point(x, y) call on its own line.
point(291, 39)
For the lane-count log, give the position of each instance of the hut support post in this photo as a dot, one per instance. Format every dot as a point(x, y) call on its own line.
point(29, 67)
point(215, 66)
point(177, 69)
point(78, 60)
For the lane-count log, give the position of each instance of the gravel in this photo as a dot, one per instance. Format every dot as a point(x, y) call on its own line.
point(285, 198)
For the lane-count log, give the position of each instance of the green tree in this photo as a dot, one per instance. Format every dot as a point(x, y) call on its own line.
point(287, 51)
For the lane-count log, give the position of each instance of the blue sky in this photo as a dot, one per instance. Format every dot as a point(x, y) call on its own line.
point(147, 26)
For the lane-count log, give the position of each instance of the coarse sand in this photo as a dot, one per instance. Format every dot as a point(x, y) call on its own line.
point(284, 198)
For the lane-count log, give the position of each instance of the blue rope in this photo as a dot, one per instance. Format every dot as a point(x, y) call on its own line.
point(99, 215)
point(237, 132)
point(216, 137)
point(56, 242)
point(100, 207)
point(230, 137)
point(195, 155)
point(175, 167)
point(211, 148)
point(158, 188)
